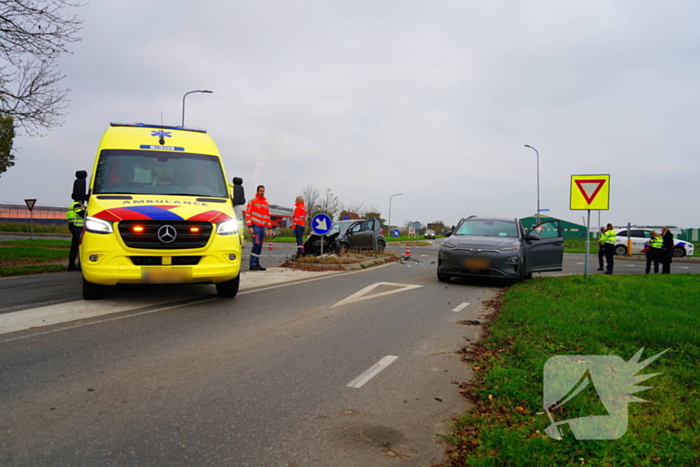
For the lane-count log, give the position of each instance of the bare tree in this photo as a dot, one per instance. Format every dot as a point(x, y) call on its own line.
point(33, 35)
point(311, 197)
point(355, 208)
point(329, 204)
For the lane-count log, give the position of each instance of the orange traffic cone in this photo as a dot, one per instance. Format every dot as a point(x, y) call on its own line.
point(270, 247)
point(408, 251)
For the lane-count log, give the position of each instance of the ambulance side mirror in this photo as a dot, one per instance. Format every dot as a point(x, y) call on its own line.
point(79, 186)
point(238, 192)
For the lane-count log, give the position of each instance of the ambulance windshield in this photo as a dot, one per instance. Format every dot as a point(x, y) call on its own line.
point(162, 173)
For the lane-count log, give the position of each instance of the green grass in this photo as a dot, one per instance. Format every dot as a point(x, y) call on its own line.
point(406, 238)
point(25, 227)
point(34, 254)
point(603, 315)
point(38, 256)
point(38, 242)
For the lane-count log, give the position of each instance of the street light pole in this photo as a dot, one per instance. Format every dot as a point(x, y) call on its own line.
point(538, 180)
point(390, 197)
point(206, 91)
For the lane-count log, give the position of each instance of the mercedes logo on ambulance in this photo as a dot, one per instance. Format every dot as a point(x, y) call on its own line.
point(167, 234)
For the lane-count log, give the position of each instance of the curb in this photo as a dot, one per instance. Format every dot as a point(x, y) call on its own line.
point(347, 266)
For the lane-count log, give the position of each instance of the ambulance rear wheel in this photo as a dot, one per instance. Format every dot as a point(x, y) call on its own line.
point(92, 291)
point(228, 289)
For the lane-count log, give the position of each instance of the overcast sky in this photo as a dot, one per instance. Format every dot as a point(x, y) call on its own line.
point(431, 99)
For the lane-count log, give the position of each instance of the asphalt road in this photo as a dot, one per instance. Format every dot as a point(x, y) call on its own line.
point(258, 380)
point(279, 376)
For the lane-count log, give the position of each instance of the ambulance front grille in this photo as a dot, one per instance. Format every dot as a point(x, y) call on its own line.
point(165, 235)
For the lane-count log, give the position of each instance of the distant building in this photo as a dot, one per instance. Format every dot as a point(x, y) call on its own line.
point(40, 214)
point(281, 217)
point(346, 215)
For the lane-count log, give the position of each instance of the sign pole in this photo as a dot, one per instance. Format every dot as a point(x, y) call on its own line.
point(31, 225)
point(588, 243)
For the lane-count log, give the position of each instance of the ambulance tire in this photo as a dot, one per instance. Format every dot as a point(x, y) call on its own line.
point(228, 289)
point(92, 291)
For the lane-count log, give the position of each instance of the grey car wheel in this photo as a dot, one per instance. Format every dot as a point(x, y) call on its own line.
point(443, 277)
point(380, 246)
point(678, 252)
point(620, 250)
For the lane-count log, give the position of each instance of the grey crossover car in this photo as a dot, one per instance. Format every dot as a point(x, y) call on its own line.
point(361, 234)
point(500, 248)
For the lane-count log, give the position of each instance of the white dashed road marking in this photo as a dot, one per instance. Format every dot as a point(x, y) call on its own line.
point(461, 307)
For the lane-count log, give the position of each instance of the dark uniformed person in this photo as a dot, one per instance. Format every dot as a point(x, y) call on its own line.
point(76, 220)
point(653, 252)
point(608, 239)
point(666, 250)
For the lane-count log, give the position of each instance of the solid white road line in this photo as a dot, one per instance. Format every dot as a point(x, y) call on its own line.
point(81, 309)
point(371, 372)
point(70, 311)
point(461, 307)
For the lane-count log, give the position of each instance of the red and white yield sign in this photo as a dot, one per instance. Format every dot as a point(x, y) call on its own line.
point(30, 203)
point(590, 192)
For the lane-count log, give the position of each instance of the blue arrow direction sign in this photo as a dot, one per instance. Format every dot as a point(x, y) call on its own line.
point(321, 224)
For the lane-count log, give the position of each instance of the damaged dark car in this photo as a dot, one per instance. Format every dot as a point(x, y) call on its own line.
point(349, 235)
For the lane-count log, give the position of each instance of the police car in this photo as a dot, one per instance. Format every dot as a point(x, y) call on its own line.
point(640, 242)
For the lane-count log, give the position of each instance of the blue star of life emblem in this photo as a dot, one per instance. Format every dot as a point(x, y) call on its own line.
point(162, 134)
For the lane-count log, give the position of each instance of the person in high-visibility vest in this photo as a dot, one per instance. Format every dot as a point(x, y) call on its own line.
point(608, 240)
point(601, 250)
point(299, 223)
point(258, 218)
point(653, 252)
point(76, 220)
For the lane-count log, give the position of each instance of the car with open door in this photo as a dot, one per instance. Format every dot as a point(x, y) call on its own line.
point(500, 248)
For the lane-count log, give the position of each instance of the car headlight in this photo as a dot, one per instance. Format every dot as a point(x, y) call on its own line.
point(447, 245)
point(98, 226)
point(514, 248)
point(512, 259)
point(227, 228)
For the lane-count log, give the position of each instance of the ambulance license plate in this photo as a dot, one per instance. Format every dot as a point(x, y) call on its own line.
point(166, 275)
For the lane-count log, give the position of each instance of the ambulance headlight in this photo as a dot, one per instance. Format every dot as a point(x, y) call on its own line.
point(227, 228)
point(98, 226)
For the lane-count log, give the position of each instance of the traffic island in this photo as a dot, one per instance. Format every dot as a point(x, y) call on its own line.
point(339, 262)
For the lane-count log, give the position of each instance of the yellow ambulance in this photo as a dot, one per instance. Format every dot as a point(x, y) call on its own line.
point(159, 210)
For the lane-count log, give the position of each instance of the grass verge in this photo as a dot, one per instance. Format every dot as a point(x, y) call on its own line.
point(603, 315)
point(38, 256)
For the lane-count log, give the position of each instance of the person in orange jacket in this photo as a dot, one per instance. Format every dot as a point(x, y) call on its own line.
point(258, 218)
point(299, 223)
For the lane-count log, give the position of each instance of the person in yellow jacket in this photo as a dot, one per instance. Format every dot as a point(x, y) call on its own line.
point(653, 252)
point(258, 218)
point(608, 241)
point(76, 220)
point(299, 223)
